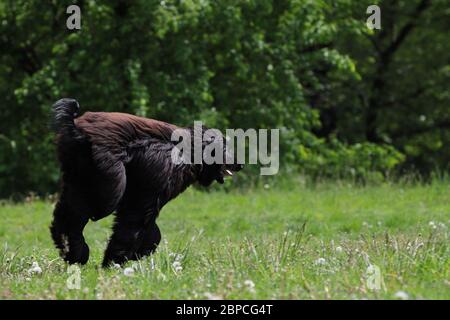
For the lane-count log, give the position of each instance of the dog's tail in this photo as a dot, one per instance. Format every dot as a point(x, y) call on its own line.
point(64, 112)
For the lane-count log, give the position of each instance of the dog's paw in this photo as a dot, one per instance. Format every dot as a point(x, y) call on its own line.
point(76, 254)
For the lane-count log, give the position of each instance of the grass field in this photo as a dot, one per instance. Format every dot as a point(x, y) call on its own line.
point(325, 241)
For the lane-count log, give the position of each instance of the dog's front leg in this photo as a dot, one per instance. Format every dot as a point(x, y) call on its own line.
point(150, 240)
point(126, 238)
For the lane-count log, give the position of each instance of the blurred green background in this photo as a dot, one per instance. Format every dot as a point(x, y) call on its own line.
point(351, 102)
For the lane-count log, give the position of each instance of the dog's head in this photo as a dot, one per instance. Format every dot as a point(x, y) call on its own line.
point(226, 164)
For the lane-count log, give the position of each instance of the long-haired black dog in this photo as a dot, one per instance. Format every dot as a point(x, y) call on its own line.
point(116, 162)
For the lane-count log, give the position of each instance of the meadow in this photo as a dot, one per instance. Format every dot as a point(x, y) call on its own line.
point(296, 241)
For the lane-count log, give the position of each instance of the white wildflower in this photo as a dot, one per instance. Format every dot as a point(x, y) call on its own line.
point(212, 296)
point(179, 257)
point(339, 249)
point(35, 268)
point(250, 285)
point(402, 295)
point(177, 266)
point(320, 261)
point(128, 272)
point(116, 266)
point(432, 225)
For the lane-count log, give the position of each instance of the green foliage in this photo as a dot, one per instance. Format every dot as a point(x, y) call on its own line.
point(403, 97)
point(307, 67)
point(360, 161)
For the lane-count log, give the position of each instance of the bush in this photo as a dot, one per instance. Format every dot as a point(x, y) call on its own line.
point(361, 161)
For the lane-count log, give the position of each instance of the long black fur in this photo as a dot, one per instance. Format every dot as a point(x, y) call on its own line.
point(113, 162)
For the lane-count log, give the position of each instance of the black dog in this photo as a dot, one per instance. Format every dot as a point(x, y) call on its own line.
point(116, 162)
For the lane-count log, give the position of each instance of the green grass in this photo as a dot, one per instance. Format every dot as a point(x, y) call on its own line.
point(273, 238)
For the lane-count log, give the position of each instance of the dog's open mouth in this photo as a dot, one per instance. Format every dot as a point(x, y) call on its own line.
point(224, 173)
point(228, 171)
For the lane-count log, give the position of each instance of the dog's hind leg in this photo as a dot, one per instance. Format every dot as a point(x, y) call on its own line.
point(67, 232)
